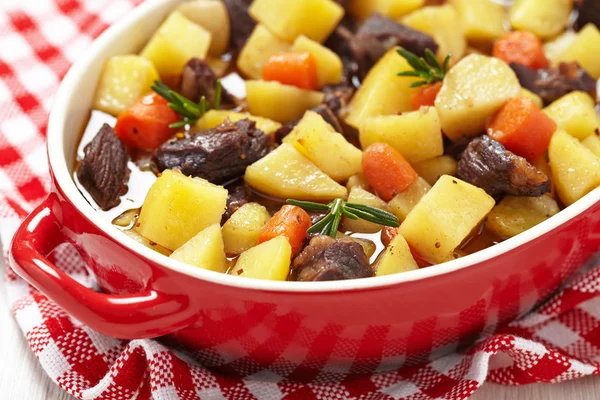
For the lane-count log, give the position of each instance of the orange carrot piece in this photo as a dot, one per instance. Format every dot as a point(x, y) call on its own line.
point(522, 48)
point(291, 222)
point(522, 128)
point(387, 234)
point(425, 96)
point(386, 170)
point(297, 69)
point(145, 125)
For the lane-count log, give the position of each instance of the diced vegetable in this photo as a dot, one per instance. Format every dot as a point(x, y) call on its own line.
point(270, 260)
point(592, 143)
point(362, 9)
point(585, 49)
point(483, 21)
point(176, 41)
point(387, 234)
point(315, 19)
point(521, 47)
point(287, 174)
point(432, 169)
point(361, 196)
point(559, 45)
point(145, 125)
point(575, 169)
point(404, 202)
point(178, 207)
point(426, 95)
point(473, 90)
point(544, 18)
point(296, 69)
point(416, 135)
point(328, 149)
point(124, 79)
point(212, 15)
point(279, 102)
point(151, 245)
point(261, 45)
point(205, 250)
point(242, 229)
point(291, 222)
point(357, 180)
point(382, 92)
point(543, 165)
point(214, 118)
point(444, 217)
point(514, 215)
point(575, 113)
point(387, 171)
point(522, 128)
point(537, 100)
point(440, 22)
point(396, 258)
point(329, 64)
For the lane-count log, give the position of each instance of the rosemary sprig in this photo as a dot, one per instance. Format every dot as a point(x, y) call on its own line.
point(189, 111)
point(338, 208)
point(428, 68)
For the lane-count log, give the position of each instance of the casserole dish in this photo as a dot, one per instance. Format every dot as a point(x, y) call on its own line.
point(243, 325)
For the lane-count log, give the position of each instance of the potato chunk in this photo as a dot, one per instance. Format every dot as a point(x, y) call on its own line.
point(287, 174)
point(404, 202)
point(473, 90)
point(358, 180)
point(214, 118)
point(261, 45)
point(176, 41)
point(544, 18)
point(440, 23)
point(514, 215)
point(315, 19)
point(585, 49)
point(483, 21)
point(205, 250)
point(269, 260)
point(363, 9)
point(382, 92)
point(575, 113)
point(242, 230)
point(396, 258)
point(361, 196)
point(329, 64)
point(432, 169)
point(279, 102)
point(151, 245)
point(177, 207)
point(533, 97)
point(444, 217)
point(416, 135)
point(592, 143)
point(212, 15)
point(575, 169)
point(124, 79)
point(328, 149)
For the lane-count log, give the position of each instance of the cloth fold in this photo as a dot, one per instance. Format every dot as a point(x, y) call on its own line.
point(558, 341)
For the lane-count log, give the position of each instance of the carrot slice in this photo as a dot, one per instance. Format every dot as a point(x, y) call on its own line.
point(386, 170)
point(297, 69)
point(291, 222)
point(145, 125)
point(387, 234)
point(522, 48)
point(426, 96)
point(522, 128)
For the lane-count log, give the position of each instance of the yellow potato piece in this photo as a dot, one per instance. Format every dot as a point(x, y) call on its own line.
point(242, 230)
point(396, 258)
point(585, 49)
point(287, 174)
point(533, 97)
point(544, 18)
point(269, 260)
point(362, 9)
point(205, 250)
point(403, 203)
point(361, 196)
point(559, 45)
point(151, 245)
point(592, 143)
point(514, 215)
point(261, 45)
point(215, 118)
point(432, 169)
point(279, 102)
point(329, 64)
point(358, 180)
point(575, 113)
point(212, 15)
point(483, 21)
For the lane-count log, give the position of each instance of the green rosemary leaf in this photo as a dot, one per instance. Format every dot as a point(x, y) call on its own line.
point(349, 214)
point(318, 227)
point(309, 205)
point(418, 83)
point(430, 57)
point(428, 68)
point(218, 95)
point(409, 73)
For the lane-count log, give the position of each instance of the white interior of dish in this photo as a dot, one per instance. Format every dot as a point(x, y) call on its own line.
point(69, 116)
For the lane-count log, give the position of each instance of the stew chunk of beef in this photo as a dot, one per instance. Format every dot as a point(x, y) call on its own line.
point(218, 155)
point(552, 83)
point(487, 164)
point(239, 195)
point(242, 23)
point(198, 79)
point(378, 34)
point(328, 259)
point(588, 12)
point(103, 171)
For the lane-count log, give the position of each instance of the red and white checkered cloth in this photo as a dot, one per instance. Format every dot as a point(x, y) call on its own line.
point(558, 341)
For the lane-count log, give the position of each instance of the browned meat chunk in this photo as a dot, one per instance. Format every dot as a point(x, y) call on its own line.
point(588, 12)
point(328, 259)
point(552, 83)
point(198, 79)
point(337, 97)
point(242, 23)
point(239, 194)
point(339, 42)
point(378, 34)
point(218, 155)
point(487, 164)
point(103, 171)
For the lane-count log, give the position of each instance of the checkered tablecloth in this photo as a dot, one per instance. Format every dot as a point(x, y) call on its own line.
point(558, 341)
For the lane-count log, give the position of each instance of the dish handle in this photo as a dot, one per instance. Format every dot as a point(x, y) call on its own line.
point(147, 314)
